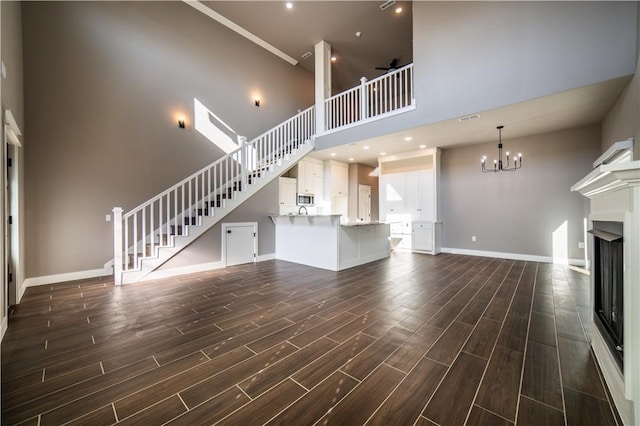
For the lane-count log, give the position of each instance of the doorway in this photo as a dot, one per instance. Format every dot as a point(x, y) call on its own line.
point(364, 203)
point(239, 243)
point(10, 182)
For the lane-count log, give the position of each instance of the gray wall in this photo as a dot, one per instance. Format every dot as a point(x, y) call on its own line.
point(471, 57)
point(104, 85)
point(518, 212)
point(622, 121)
point(490, 54)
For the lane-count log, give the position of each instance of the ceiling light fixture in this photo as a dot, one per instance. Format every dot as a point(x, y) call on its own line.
point(289, 5)
point(365, 147)
point(422, 146)
point(398, 10)
point(333, 59)
point(498, 166)
point(408, 138)
point(383, 153)
point(350, 159)
point(333, 154)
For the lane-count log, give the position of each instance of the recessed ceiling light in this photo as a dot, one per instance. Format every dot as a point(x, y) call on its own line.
point(350, 159)
point(398, 10)
point(408, 138)
point(289, 5)
point(333, 59)
point(333, 154)
point(358, 34)
point(422, 146)
point(383, 153)
point(365, 147)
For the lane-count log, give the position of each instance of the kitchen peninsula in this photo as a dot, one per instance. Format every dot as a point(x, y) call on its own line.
point(321, 241)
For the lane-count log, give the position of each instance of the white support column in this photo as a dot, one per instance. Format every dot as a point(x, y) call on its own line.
point(323, 82)
point(117, 245)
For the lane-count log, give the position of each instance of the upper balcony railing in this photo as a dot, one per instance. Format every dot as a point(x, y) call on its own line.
point(381, 96)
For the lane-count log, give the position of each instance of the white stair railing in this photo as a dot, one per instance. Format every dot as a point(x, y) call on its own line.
point(140, 233)
point(385, 94)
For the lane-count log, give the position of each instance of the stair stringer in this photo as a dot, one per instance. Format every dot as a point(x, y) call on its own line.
point(180, 242)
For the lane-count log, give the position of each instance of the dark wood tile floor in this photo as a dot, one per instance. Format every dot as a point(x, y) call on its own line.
point(413, 339)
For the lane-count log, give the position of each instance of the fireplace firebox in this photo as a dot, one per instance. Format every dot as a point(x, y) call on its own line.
point(608, 286)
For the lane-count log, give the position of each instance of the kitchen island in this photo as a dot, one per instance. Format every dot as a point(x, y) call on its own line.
point(321, 241)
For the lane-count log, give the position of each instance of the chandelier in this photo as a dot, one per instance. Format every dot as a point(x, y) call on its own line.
point(498, 165)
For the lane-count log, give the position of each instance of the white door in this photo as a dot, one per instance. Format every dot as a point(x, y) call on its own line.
point(239, 243)
point(364, 203)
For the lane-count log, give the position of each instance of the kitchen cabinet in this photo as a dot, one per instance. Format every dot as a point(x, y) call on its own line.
point(287, 195)
point(336, 178)
point(422, 236)
point(408, 197)
point(418, 195)
point(310, 175)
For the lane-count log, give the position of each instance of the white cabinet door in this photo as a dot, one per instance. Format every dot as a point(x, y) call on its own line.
point(287, 187)
point(422, 233)
point(317, 177)
point(412, 197)
point(392, 195)
point(339, 181)
point(425, 208)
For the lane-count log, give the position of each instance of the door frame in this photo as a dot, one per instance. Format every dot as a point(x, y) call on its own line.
point(226, 226)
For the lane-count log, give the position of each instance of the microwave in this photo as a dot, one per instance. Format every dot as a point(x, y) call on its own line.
point(304, 199)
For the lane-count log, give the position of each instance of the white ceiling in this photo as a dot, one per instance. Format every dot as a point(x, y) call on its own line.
point(387, 35)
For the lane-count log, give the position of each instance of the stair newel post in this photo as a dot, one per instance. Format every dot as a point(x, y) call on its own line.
point(364, 113)
point(117, 245)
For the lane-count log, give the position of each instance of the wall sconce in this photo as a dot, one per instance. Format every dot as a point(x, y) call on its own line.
point(181, 123)
point(256, 101)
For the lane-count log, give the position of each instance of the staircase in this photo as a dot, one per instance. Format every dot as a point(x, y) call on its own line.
point(152, 233)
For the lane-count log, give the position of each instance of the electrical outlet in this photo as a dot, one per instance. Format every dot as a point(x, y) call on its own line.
point(108, 218)
point(473, 238)
point(580, 245)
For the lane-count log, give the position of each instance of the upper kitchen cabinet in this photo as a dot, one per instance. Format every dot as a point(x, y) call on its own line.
point(336, 178)
point(409, 185)
point(310, 175)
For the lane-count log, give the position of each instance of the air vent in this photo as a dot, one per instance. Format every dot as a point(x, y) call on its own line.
point(306, 55)
point(387, 4)
point(468, 117)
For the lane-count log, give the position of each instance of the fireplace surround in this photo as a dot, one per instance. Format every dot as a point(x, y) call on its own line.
point(613, 188)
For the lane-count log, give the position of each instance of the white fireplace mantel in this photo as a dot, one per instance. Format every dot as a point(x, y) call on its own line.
point(614, 193)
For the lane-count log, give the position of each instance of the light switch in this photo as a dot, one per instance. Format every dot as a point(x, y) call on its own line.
point(108, 218)
point(473, 238)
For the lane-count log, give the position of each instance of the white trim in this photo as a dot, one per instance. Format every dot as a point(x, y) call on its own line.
point(183, 270)
point(512, 256)
point(238, 29)
point(61, 278)
point(4, 326)
point(192, 269)
point(265, 257)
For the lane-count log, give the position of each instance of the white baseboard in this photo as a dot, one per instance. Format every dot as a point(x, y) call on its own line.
point(61, 278)
point(512, 256)
point(192, 269)
point(3, 326)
